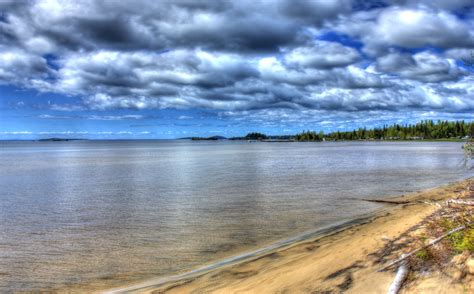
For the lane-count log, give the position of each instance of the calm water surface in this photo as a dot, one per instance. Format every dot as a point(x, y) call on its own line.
point(98, 214)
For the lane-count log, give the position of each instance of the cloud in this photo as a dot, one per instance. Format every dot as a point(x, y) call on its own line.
point(78, 133)
point(421, 27)
point(48, 116)
point(241, 56)
point(424, 66)
point(94, 117)
point(20, 67)
point(104, 101)
point(442, 4)
point(115, 117)
point(149, 74)
point(16, 133)
point(463, 54)
point(323, 55)
point(167, 24)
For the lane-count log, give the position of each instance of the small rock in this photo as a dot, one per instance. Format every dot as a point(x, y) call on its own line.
point(460, 258)
point(385, 238)
point(456, 274)
point(470, 265)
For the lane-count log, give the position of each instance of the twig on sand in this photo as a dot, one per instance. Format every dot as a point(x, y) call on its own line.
point(423, 247)
point(432, 203)
point(399, 278)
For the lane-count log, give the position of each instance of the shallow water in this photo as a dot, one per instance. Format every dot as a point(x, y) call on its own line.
point(99, 214)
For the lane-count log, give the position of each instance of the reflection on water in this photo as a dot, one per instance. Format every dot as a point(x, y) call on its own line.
point(103, 213)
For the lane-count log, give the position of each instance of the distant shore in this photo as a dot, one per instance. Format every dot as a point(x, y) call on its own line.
point(341, 260)
point(276, 139)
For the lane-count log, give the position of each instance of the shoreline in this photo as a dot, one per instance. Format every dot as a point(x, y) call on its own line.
point(285, 264)
point(251, 255)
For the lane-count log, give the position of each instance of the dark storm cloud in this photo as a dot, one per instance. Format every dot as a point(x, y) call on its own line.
point(314, 12)
point(239, 56)
point(241, 25)
point(442, 4)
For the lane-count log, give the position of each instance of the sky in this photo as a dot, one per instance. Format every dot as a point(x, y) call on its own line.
point(169, 69)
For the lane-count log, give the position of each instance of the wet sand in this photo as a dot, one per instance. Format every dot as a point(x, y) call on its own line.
point(338, 261)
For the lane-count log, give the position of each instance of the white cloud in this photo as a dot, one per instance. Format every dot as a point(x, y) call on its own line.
point(323, 55)
point(421, 27)
point(115, 117)
point(17, 133)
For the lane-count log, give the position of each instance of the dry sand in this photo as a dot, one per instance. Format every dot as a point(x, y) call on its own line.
point(339, 262)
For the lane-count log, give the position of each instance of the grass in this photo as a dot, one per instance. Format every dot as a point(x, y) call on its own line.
point(443, 221)
point(463, 240)
point(423, 255)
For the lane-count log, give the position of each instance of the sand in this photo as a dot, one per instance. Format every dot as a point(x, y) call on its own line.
point(339, 262)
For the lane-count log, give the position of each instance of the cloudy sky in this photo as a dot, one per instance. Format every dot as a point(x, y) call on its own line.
point(168, 69)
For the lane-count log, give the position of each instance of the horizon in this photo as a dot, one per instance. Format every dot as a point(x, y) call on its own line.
point(243, 135)
point(167, 70)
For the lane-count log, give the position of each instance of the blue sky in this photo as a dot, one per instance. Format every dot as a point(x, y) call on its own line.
point(171, 69)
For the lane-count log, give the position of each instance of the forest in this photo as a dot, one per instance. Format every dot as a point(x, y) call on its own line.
point(424, 130)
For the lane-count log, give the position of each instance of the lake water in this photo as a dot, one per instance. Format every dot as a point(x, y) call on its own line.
point(99, 214)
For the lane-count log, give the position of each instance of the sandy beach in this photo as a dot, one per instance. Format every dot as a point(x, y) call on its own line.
point(342, 261)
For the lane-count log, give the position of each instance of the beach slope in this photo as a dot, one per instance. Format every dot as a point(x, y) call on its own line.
point(343, 261)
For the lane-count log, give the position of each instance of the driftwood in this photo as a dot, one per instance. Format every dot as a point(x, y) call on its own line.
point(457, 201)
point(399, 278)
point(387, 201)
point(423, 247)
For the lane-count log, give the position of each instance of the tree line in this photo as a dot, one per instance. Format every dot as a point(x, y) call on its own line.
point(427, 129)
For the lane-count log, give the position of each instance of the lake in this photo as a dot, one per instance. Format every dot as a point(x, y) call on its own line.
point(97, 214)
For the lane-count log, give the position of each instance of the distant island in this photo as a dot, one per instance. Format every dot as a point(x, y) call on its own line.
point(213, 138)
point(266, 138)
point(424, 130)
point(249, 137)
point(59, 139)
